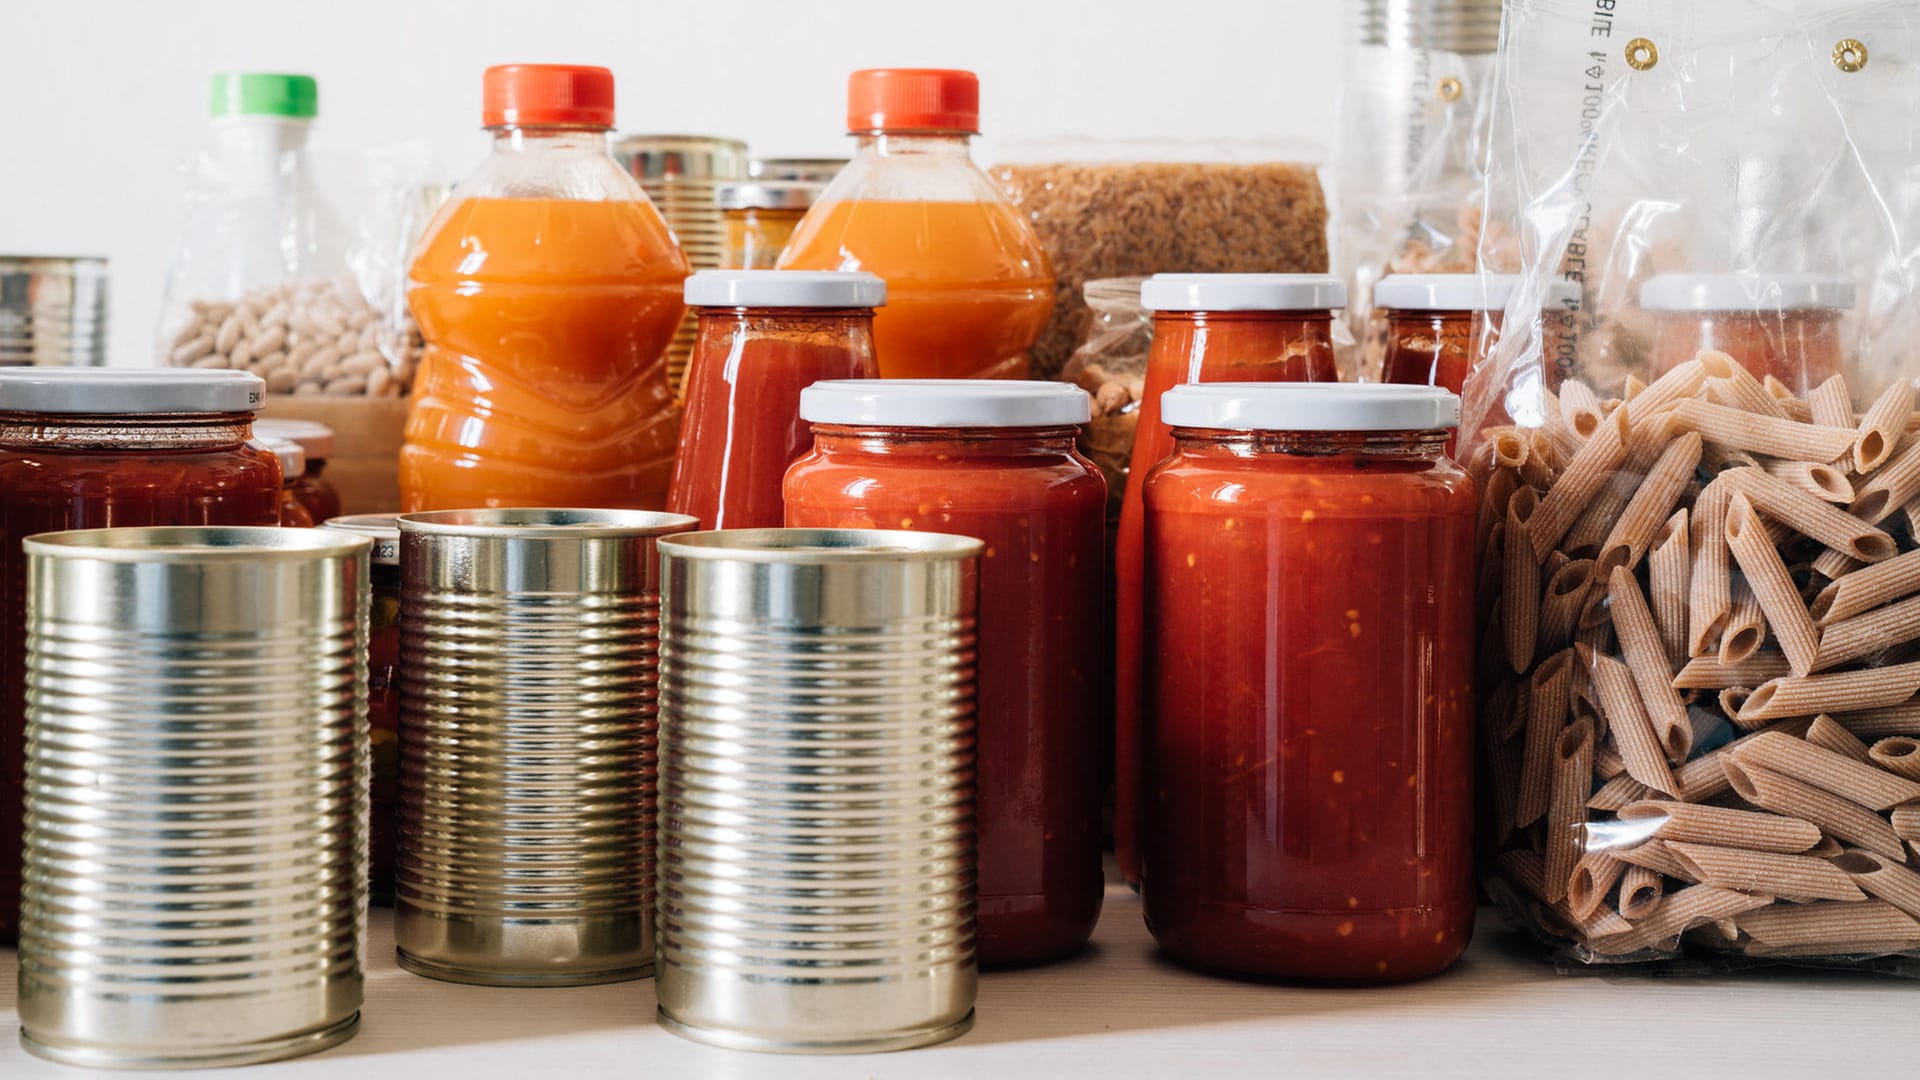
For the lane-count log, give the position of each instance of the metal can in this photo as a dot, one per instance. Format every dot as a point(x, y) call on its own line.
point(528, 644)
point(196, 798)
point(816, 788)
point(53, 311)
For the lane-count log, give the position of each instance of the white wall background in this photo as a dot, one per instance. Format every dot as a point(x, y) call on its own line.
point(100, 100)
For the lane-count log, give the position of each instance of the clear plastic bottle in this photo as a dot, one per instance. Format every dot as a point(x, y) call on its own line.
point(968, 286)
point(547, 291)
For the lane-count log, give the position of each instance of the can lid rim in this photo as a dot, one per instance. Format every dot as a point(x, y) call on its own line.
point(815, 546)
point(545, 523)
point(196, 543)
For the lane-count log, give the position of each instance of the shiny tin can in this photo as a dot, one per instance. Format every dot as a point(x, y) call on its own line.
point(528, 645)
point(816, 788)
point(196, 801)
point(53, 311)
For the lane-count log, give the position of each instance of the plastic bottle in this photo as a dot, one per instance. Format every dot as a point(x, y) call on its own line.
point(968, 286)
point(547, 290)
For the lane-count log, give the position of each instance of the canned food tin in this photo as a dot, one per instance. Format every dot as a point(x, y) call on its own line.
point(528, 642)
point(53, 311)
point(816, 788)
point(196, 800)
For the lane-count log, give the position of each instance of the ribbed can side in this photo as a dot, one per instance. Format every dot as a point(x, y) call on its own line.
point(1461, 26)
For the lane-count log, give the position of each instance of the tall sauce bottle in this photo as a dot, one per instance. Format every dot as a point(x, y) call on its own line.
point(547, 290)
point(968, 286)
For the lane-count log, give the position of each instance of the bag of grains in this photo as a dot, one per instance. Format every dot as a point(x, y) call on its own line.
point(1111, 365)
point(261, 281)
point(1699, 644)
point(1106, 209)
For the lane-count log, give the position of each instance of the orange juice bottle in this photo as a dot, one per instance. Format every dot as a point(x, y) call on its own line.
point(547, 290)
point(968, 286)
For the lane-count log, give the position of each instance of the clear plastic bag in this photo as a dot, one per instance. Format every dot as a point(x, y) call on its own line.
point(1700, 581)
point(1111, 365)
point(1108, 209)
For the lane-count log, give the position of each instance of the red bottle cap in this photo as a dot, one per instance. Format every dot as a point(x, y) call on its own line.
point(913, 99)
point(547, 95)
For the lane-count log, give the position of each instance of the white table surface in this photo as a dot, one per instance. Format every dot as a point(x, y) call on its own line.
point(1119, 1012)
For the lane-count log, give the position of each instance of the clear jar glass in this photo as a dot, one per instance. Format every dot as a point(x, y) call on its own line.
point(311, 487)
point(1308, 749)
point(90, 448)
point(759, 219)
point(996, 461)
point(764, 337)
point(544, 381)
point(383, 691)
point(1206, 328)
point(1783, 325)
point(969, 286)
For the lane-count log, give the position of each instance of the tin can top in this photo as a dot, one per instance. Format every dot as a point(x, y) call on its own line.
point(544, 523)
point(196, 543)
point(821, 545)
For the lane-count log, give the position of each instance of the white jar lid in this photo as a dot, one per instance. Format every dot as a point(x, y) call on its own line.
point(786, 288)
point(1008, 403)
point(129, 390)
point(312, 436)
point(1310, 407)
point(1463, 292)
point(293, 460)
point(382, 529)
point(1243, 292)
point(1745, 292)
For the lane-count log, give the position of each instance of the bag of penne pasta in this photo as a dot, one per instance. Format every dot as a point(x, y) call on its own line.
point(1699, 593)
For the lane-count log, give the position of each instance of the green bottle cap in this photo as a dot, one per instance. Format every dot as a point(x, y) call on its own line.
point(236, 94)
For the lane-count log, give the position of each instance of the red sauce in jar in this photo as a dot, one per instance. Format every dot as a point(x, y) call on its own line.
point(1783, 325)
point(764, 336)
point(1308, 738)
point(90, 448)
point(315, 493)
point(1010, 476)
point(1206, 328)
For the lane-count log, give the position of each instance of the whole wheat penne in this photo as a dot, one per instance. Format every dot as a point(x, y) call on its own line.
point(1622, 790)
point(1834, 565)
point(1646, 659)
point(1731, 699)
point(1769, 872)
point(1708, 673)
point(1508, 446)
point(1526, 870)
point(1632, 387)
point(1873, 788)
point(1827, 848)
point(1870, 724)
point(1898, 755)
point(1503, 765)
point(1891, 485)
point(1653, 855)
point(1795, 408)
point(1780, 391)
point(1867, 588)
point(1593, 878)
point(1829, 923)
point(1767, 576)
point(1669, 565)
point(1567, 805)
point(1561, 603)
point(1882, 426)
point(1746, 628)
point(1828, 734)
point(1676, 913)
point(1684, 381)
point(1807, 515)
point(1882, 878)
point(1827, 950)
point(1495, 491)
point(1566, 442)
point(1716, 459)
point(1539, 470)
point(1832, 404)
point(1905, 822)
point(1582, 478)
point(1832, 814)
point(1823, 482)
point(1705, 777)
point(1839, 692)
point(1718, 825)
point(1520, 591)
point(1580, 407)
point(1634, 530)
point(1594, 629)
point(1607, 762)
point(1546, 717)
point(1627, 719)
point(1868, 633)
point(1709, 586)
point(1910, 510)
point(1640, 891)
point(1745, 394)
point(1767, 435)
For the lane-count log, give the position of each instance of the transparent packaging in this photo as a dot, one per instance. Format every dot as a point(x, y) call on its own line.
point(1111, 365)
point(1699, 663)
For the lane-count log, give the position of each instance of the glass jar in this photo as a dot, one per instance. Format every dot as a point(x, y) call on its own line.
point(760, 218)
point(84, 448)
point(383, 689)
point(293, 464)
point(1308, 753)
point(1783, 325)
point(996, 461)
point(1440, 325)
point(765, 335)
point(969, 286)
point(1206, 328)
point(547, 290)
point(315, 439)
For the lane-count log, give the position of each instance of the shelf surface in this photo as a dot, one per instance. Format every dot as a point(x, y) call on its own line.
point(1119, 1011)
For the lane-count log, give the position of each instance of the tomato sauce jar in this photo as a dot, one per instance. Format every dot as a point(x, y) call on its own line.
point(996, 460)
point(763, 337)
point(383, 688)
point(1440, 325)
point(84, 448)
point(1206, 328)
point(1307, 753)
point(1783, 325)
point(294, 513)
point(311, 486)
